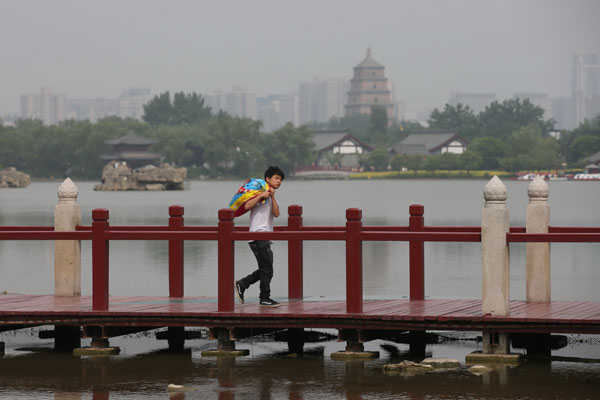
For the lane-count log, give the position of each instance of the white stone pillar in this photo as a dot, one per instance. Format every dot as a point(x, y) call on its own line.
point(67, 253)
point(538, 254)
point(494, 249)
point(495, 263)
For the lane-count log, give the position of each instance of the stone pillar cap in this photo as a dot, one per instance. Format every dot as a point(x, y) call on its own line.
point(538, 189)
point(67, 192)
point(495, 191)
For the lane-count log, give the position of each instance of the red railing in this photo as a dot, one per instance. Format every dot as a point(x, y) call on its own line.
point(295, 233)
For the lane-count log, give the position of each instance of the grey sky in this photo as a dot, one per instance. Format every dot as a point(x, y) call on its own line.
point(87, 49)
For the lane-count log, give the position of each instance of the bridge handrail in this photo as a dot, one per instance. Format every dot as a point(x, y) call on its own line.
point(295, 233)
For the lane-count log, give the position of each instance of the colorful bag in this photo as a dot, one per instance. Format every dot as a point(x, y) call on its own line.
point(250, 189)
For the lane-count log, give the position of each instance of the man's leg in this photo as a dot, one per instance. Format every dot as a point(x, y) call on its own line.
point(255, 276)
point(264, 257)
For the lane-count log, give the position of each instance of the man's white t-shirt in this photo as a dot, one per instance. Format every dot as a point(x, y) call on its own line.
point(261, 217)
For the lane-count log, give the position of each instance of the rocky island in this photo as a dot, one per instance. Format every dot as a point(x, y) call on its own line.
point(116, 175)
point(11, 178)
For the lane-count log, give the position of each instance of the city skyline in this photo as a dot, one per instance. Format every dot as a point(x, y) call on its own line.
point(430, 48)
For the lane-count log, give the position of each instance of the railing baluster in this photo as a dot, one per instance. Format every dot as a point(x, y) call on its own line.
point(416, 222)
point(99, 259)
point(354, 278)
point(295, 253)
point(226, 250)
point(175, 253)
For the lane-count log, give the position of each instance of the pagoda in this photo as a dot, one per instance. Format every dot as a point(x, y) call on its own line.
point(369, 87)
point(132, 149)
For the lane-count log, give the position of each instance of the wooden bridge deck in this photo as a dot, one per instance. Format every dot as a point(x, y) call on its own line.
point(402, 314)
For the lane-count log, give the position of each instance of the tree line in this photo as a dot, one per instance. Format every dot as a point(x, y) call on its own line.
point(187, 133)
point(511, 135)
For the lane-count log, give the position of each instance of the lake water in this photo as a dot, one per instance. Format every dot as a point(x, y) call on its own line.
point(452, 270)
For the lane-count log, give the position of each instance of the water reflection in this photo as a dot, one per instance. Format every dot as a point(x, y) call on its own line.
point(273, 376)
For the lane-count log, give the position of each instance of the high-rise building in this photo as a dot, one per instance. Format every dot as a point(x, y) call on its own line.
point(562, 113)
point(131, 102)
point(239, 102)
point(52, 108)
point(47, 107)
point(476, 101)
point(369, 87)
point(29, 106)
point(585, 87)
point(585, 75)
point(93, 109)
point(276, 110)
point(322, 99)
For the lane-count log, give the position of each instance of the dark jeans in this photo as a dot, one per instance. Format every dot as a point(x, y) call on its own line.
point(264, 257)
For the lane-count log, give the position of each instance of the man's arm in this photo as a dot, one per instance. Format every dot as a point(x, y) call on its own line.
point(275, 204)
point(255, 200)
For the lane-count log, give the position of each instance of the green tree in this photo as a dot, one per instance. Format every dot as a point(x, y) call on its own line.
point(448, 161)
point(491, 150)
point(289, 147)
point(397, 162)
point(159, 110)
point(415, 162)
point(471, 160)
point(583, 147)
point(233, 146)
point(528, 149)
point(457, 118)
point(185, 108)
point(378, 159)
point(500, 120)
point(588, 128)
point(412, 162)
point(378, 121)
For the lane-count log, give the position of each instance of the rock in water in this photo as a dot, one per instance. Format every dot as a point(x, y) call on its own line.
point(116, 175)
point(441, 362)
point(11, 178)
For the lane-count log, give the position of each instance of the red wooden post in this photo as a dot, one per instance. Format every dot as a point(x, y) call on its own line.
point(175, 253)
point(354, 298)
point(416, 222)
point(99, 259)
point(226, 259)
point(295, 267)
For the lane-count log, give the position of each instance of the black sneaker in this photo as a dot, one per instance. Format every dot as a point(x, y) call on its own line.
point(269, 303)
point(239, 292)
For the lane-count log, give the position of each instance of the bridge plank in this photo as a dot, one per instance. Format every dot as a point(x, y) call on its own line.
point(559, 316)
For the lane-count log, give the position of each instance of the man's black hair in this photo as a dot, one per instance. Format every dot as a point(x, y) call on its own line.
point(272, 170)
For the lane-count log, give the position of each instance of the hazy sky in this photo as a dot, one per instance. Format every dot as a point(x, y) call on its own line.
point(87, 49)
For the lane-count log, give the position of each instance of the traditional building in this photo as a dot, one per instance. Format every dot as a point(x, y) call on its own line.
point(431, 142)
point(339, 149)
point(132, 149)
point(369, 87)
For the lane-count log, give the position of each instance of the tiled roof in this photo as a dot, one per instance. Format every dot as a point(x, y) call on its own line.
point(327, 139)
point(425, 142)
point(595, 158)
point(369, 62)
point(131, 138)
